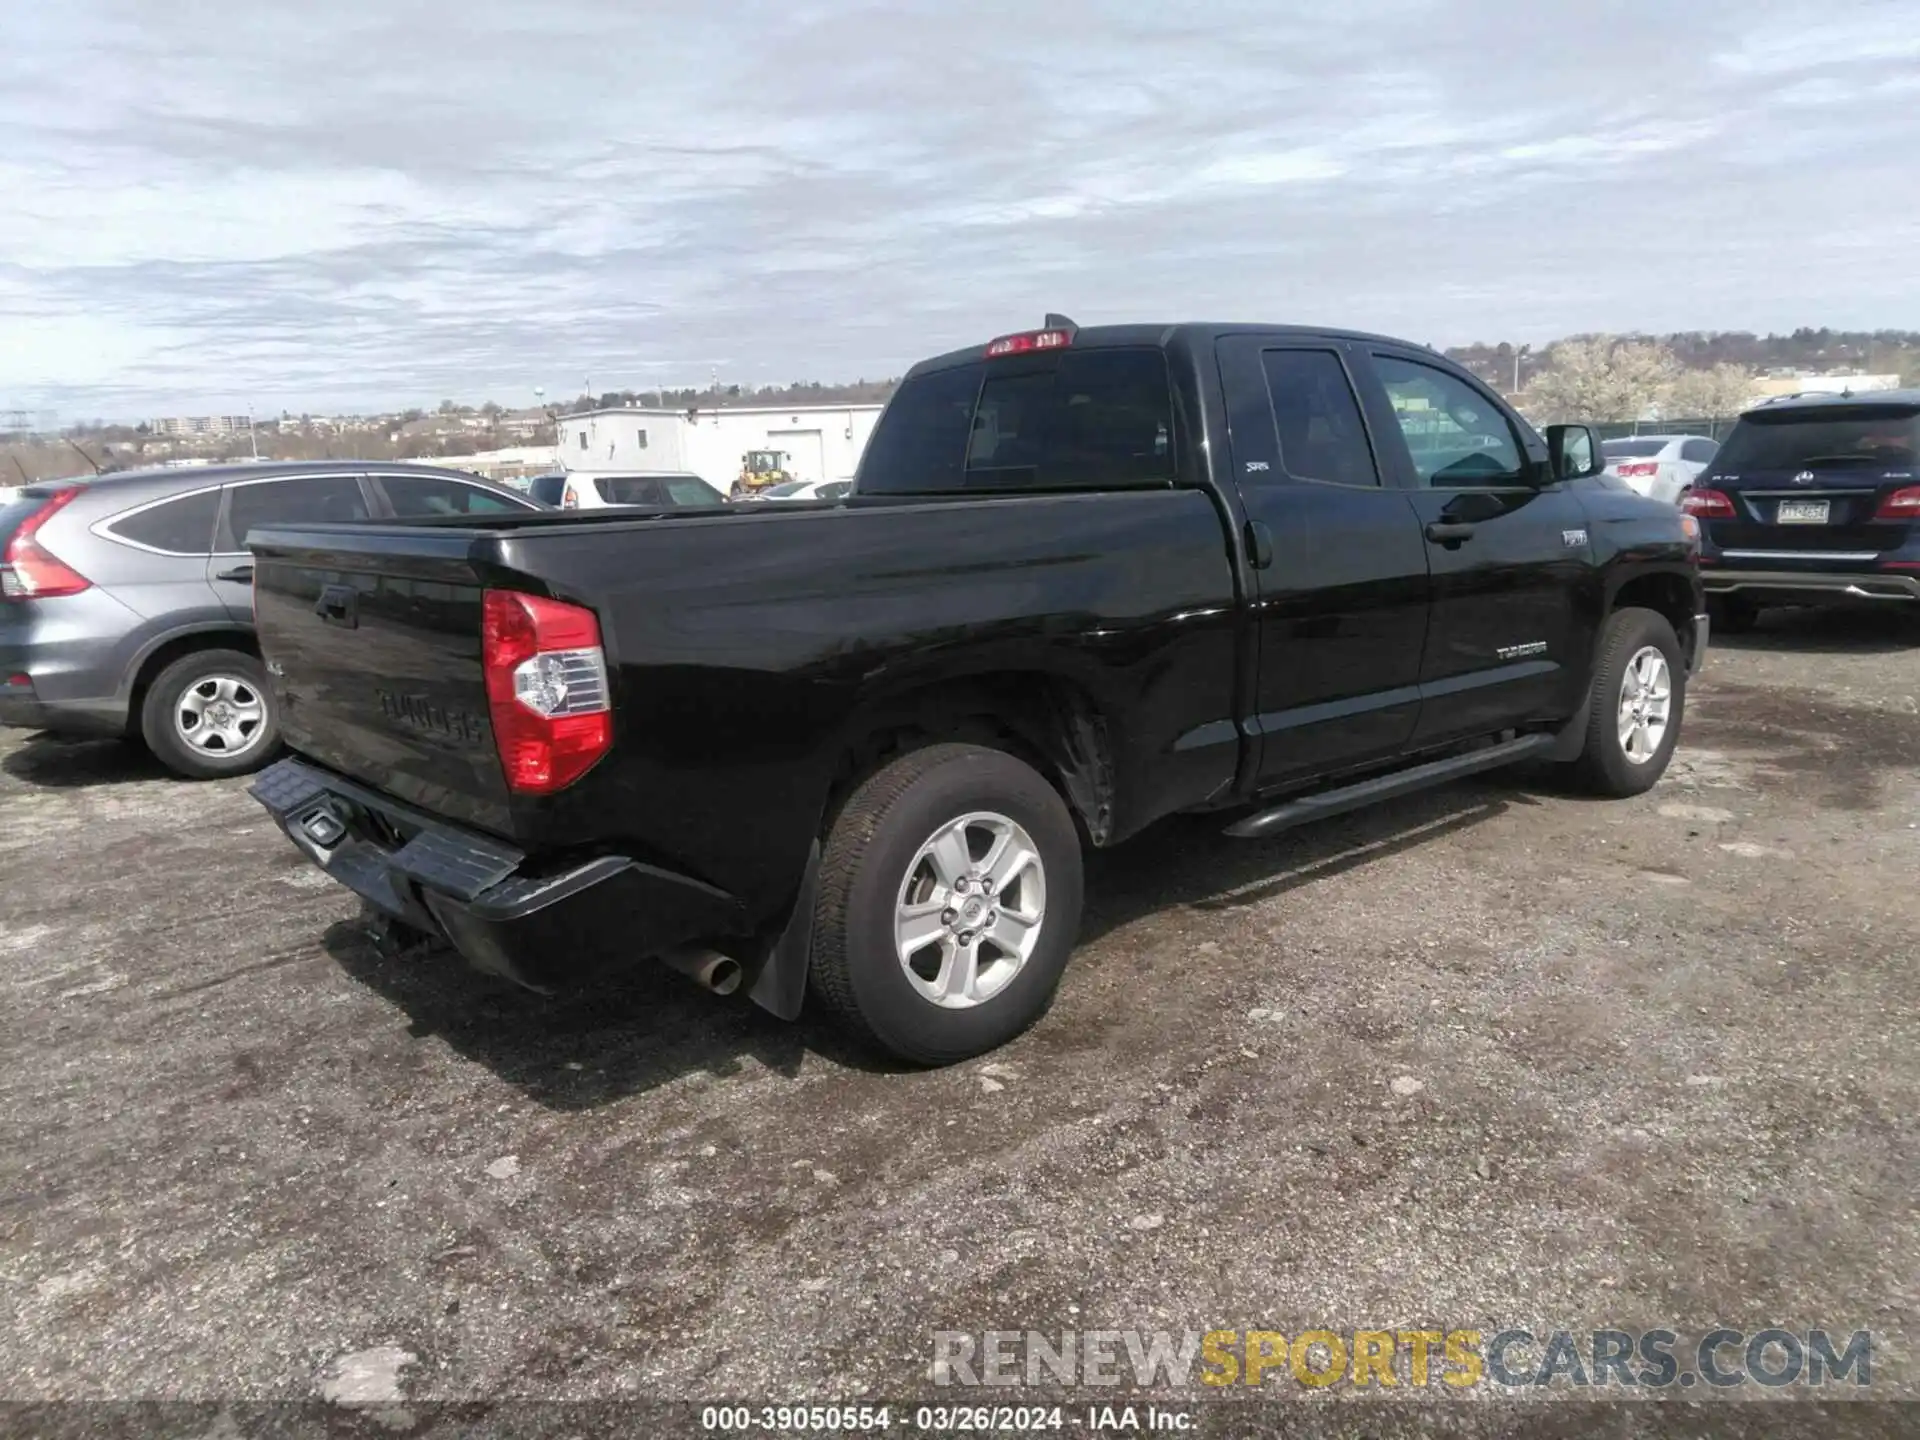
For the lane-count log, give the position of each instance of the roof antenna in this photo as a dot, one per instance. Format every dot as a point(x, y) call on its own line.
point(1057, 322)
point(85, 456)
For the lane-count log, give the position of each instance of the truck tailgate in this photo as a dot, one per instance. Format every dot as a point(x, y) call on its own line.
point(372, 637)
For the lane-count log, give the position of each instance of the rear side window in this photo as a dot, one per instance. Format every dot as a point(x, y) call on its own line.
point(179, 527)
point(1088, 418)
point(548, 489)
point(692, 490)
point(1808, 440)
point(1317, 418)
point(629, 490)
point(301, 500)
point(413, 495)
point(1698, 452)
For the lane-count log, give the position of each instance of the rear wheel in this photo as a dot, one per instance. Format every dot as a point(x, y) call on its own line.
point(209, 715)
point(950, 892)
point(1639, 697)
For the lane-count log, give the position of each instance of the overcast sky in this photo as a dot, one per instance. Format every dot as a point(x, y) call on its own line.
point(372, 203)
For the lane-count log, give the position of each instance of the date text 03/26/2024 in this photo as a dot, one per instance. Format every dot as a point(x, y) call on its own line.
point(942, 1419)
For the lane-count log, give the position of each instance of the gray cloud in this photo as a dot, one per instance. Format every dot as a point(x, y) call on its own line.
point(379, 202)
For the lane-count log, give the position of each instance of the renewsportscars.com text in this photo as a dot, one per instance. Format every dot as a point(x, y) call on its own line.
point(1722, 1358)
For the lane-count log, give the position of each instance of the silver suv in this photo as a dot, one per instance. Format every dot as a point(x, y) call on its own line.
point(126, 602)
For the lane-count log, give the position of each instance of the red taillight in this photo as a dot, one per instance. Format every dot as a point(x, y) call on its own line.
point(1707, 504)
point(546, 689)
point(569, 500)
point(27, 571)
point(1029, 340)
point(1902, 504)
point(1637, 468)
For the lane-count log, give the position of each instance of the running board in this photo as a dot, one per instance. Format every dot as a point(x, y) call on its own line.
point(1387, 787)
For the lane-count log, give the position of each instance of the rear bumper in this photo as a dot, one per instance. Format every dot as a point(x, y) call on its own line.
point(69, 657)
point(22, 708)
point(537, 925)
point(1812, 587)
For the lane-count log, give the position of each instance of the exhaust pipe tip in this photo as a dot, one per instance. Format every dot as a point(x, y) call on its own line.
point(708, 969)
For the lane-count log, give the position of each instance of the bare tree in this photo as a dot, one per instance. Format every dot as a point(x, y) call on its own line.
point(1599, 378)
point(1714, 394)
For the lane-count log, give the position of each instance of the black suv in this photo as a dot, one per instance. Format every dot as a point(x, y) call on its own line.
point(1812, 500)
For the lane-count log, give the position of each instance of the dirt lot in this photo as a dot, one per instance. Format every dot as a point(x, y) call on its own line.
point(1667, 1054)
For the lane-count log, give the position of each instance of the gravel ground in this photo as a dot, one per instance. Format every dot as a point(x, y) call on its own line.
point(1493, 1056)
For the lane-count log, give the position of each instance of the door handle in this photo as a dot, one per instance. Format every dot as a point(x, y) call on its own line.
point(1259, 545)
point(241, 573)
point(1449, 533)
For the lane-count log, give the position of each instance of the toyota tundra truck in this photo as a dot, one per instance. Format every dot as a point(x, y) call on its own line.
point(854, 751)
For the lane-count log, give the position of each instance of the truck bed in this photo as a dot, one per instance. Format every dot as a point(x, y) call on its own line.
point(744, 646)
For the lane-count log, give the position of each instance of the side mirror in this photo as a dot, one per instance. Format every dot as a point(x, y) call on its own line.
point(1575, 451)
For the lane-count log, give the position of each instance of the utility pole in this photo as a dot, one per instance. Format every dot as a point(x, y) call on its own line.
point(253, 437)
point(1519, 352)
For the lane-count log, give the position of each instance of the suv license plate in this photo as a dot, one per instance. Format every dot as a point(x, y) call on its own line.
point(1801, 512)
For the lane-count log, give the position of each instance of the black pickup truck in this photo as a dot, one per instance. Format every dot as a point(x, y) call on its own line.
point(1086, 578)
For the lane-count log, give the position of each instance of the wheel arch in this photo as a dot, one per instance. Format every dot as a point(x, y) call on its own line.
point(1046, 719)
point(163, 651)
point(1665, 592)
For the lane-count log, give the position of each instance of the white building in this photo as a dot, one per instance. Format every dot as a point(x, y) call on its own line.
point(1770, 387)
point(517, 462)
point(821, 442)
point(180, 426)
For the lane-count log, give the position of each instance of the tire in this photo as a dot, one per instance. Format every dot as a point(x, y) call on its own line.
point(1732, 614)
point(1605, 766)
point(877, 859)
point(229, 677)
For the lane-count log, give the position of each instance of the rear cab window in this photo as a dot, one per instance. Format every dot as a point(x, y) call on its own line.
point(1073, 419)
point(1631, 449)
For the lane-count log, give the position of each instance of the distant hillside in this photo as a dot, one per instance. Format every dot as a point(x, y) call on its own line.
point(1874, 352)
point(801, 392)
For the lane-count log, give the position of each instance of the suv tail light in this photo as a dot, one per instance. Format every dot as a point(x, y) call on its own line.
point(1640, 468)
point(27, 571)
point(1707, 504)
point(1902, 504)
point(568, 499)
point(546, 689)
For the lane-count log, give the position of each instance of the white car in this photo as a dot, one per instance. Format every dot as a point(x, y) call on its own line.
point(805, 490)
point(652, 492)
point(1660, 467)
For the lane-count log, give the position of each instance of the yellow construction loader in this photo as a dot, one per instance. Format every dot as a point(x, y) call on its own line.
point(761, 470)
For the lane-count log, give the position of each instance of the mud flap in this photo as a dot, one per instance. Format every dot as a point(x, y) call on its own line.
point(1570, 741)
point(781, 986)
